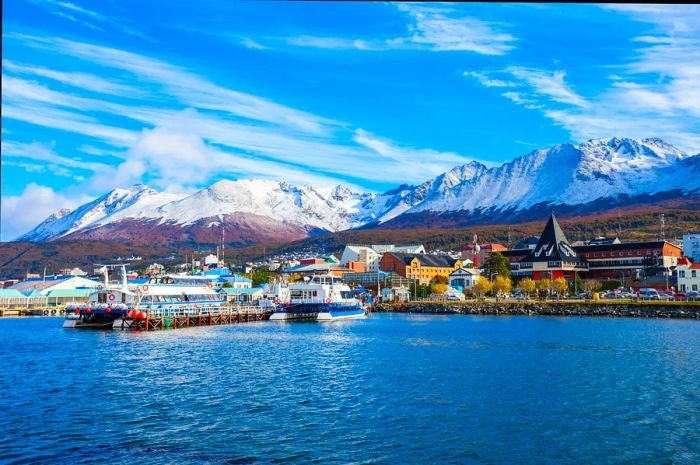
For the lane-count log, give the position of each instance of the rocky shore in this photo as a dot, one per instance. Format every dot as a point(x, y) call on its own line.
point(628, 309)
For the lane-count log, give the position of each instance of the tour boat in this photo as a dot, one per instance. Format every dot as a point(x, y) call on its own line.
point(161, 296)
point(319, 298)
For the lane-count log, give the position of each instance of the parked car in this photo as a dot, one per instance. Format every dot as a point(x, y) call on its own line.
point(648, 293)
point(664, 296)
point(692, 295)
point(614, 295)
point(680, 296)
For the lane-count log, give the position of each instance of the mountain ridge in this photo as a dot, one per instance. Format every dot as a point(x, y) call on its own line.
point(599, 172)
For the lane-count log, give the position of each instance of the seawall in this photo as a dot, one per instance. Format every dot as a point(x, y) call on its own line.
point(684, 310)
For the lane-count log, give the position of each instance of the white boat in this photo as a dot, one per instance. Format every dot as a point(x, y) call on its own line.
point(111, 306)
point(319, 298)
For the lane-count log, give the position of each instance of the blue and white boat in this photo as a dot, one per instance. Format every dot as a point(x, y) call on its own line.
point(111, 306)
point(319, 298)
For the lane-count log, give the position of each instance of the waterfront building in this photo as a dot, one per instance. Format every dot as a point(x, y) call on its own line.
point(370, 278)
point(155, 269)
point(370, 255)
point(464, 278)
point(691, 246)
point(43, 286)
point(420, 267)
point(606, 259)
point(482, 253)
point(688, 275)
point(553, 257)
point(73, 272)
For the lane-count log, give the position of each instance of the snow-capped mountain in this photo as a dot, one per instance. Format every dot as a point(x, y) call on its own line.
point(602, 171)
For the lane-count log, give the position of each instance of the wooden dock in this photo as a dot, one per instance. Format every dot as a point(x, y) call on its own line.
point(155, 322)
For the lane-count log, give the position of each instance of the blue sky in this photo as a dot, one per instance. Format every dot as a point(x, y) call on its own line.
point(98, 95)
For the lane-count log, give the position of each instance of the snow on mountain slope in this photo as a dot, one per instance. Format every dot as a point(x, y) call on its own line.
point(564, 174)
point(138, 201)
point(570, 175)
point(329, 208)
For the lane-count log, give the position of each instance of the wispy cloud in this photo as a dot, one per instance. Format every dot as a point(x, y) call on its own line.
point(656, 93)
point(74, 79)
point(87, 17)
point(40, 152)
point(434, 27)
point(486, 80)
point(241, 134)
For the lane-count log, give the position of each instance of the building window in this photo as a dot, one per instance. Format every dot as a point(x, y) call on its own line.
point(681, 274)
point(695, 287)
point(692, 274)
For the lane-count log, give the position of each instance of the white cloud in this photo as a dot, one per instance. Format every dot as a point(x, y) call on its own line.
point(74, 79)
point(40, 152)
point(549, 85)
point(188, 88)
point(247, 42)
point(21, 213)
point(435, 27)
point(487, 81)
point(656, 93)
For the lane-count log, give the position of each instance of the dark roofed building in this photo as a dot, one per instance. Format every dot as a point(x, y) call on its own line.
point(606, 259)
point(528, 243)
point(553, 257)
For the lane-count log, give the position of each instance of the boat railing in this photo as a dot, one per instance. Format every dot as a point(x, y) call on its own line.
point(202, 309)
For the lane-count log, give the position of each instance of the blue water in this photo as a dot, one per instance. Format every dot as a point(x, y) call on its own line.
point(392, 389)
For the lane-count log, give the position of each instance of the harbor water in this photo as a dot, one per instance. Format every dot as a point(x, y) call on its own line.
point(392, 388)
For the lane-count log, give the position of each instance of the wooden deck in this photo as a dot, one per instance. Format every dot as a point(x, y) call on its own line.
point(155, 322)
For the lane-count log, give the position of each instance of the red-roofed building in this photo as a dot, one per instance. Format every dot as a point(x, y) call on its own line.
point(482, 252)
point(688, 275)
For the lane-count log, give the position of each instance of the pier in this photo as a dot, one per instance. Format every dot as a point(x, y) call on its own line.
point(156, 321)
point(631, 309)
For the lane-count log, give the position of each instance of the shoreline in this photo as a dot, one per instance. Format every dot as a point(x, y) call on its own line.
point(678, 310)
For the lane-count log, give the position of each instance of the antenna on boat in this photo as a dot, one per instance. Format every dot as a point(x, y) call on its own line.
point(125, 288)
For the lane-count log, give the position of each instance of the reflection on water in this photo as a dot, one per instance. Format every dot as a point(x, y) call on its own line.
point(388, 389)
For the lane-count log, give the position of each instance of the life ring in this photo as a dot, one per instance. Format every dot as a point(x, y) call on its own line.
point(210, 285)
point(277, 300)
point(99, 286)
point(111, 297)
point(144, 288)
point(328, 300)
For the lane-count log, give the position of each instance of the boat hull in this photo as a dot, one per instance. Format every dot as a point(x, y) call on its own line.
point(318, 312)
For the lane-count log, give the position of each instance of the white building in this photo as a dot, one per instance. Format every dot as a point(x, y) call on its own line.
point(691, 246)
point(370, 255)
point(688, 275)
point(464, 278)
point(43, 286)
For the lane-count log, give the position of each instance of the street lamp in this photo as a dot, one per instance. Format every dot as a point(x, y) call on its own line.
point(622, 273)
point(493, 273)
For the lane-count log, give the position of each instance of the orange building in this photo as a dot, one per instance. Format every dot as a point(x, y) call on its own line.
point(420, 267)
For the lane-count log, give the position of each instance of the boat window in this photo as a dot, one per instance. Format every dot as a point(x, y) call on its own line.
point(102, 297)
point(346, 294)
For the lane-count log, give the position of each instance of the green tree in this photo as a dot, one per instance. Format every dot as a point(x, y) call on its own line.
point(496, 265)
point(227, 285)
point(526, 286)
point(260, 276)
